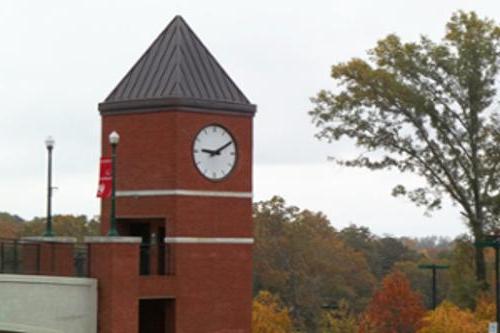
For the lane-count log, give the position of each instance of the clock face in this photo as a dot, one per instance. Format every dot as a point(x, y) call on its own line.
point(214, 152)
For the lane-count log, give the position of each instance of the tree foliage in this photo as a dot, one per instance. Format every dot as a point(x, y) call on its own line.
point(426, 108)
point(299, 256)
point(340, 320)
point(10, 225)
point(451, 319)
point(395, 308)
point(269, 316)
point(464, 288)
point(381, 253)
point(77, 226)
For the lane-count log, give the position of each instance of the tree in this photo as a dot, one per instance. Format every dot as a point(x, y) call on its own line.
point(426, 108)
point(299, 256)
point(420, 280)
point(391, 250)
point(395, 308)
point(269, 316)
point(464, 288)
point(451, 319)
point(340, 320)
point(485, 309)
point(63, 225)
point(10, 225)
point(380, 253)
point(361, 239)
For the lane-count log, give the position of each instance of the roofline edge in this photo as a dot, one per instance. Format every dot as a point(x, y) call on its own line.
point(177, 103)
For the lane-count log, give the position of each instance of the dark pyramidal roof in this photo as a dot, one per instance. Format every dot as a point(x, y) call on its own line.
point(177, 71)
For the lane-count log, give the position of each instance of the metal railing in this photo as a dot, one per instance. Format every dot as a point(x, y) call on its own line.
point(155, 259)
point(18, 256)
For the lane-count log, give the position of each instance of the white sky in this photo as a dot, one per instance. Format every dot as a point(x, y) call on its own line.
point(59, 58)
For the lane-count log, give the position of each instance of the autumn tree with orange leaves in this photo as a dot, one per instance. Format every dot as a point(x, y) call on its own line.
point(395, 308)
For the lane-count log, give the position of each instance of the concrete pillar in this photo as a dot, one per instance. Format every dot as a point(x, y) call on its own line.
point(114, 261)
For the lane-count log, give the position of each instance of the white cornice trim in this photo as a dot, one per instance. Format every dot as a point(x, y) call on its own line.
point(112, 239)
point(209, 240)
point(51, 239)
point(182, 192)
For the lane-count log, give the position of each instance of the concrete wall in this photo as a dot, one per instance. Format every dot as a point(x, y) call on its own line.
point(47, 304)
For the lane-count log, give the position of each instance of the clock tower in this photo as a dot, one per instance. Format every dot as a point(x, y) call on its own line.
point(184, 185)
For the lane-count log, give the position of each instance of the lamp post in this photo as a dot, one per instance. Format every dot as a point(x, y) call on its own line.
point(114, 138)
point(49, 143)
point(494, 242)
point(434, 268)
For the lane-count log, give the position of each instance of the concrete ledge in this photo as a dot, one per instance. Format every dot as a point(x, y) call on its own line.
point(116, 239)
point(45, 239)
point(19, 328)
point(52, 280)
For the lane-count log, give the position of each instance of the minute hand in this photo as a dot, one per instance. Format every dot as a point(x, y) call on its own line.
point(217, 151)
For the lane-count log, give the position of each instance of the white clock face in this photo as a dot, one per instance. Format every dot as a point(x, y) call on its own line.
point(214, 152)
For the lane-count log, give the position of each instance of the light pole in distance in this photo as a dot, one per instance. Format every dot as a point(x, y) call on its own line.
point(49, 143)
point(114, 138)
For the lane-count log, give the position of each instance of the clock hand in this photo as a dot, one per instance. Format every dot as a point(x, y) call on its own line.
point(208, 151)
point(217, 152)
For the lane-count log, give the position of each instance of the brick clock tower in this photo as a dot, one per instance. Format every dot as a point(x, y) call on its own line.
point(184, 186)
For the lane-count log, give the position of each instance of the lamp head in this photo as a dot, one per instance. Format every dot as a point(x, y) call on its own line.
point(114, 138)
point(49, 142)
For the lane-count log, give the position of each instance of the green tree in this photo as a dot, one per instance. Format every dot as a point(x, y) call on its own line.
point(380, 253)
point(426, 108)
point(464, 288)
point(390, 251)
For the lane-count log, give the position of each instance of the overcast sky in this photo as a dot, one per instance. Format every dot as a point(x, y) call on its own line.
point(58, 59)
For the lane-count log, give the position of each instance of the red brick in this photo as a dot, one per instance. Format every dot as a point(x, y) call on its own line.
point(212, 286)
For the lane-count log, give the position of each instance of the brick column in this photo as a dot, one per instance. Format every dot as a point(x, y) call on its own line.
point(114, 261)
point(48, 255)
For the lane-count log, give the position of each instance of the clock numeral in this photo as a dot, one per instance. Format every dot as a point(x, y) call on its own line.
point(232, 153)
point(214, 129)
point(214, 174)
point(196, 151)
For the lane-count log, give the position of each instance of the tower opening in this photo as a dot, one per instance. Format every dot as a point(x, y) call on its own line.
point(156, 316)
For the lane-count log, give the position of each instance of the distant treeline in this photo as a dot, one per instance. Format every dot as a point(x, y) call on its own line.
point(314, 269)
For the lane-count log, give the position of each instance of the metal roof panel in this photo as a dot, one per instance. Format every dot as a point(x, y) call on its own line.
point(177, 67)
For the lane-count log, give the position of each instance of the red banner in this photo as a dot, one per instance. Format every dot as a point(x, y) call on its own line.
point(105, 178)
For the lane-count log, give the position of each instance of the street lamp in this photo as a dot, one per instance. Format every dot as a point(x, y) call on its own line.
point(114, 138)
point(49, 143)
point(433, 267)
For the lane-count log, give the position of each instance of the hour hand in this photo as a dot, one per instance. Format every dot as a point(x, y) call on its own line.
point(208, 151)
